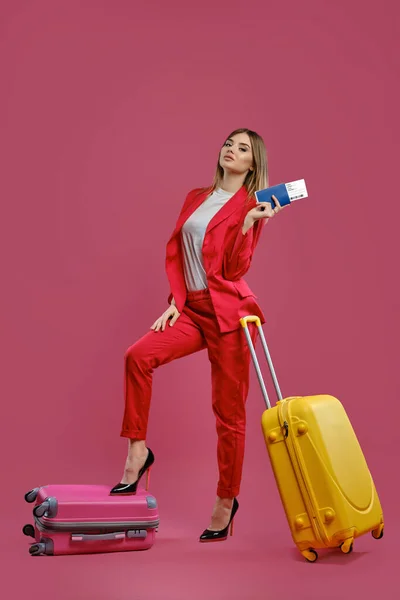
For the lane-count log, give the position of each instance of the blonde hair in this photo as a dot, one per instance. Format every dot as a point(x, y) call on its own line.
point(257, 179)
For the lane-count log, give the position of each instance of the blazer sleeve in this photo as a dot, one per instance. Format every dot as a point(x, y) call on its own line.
point(239, 250)
point(189, 197)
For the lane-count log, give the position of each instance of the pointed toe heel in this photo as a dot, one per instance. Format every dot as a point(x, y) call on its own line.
point(124, 489)
point(219, 536)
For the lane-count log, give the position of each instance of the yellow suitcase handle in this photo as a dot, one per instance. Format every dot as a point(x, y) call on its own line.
point(250, 319)
point(244, 321)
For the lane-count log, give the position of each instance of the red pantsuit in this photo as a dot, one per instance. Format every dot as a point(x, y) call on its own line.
point(209, 320)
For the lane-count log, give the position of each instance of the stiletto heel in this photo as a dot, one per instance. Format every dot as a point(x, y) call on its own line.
point(219, 536)
point(124, 489)
point(148, 478)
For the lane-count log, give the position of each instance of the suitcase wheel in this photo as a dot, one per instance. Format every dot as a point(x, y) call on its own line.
point(28, 530)
point(31, 495)
point(347, 546)
point(310, 555)
point(377, 534)
point(40, 509)
point(37, 549)
point(48, 508)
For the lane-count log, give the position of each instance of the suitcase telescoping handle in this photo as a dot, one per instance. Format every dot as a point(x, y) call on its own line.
point(244, 323)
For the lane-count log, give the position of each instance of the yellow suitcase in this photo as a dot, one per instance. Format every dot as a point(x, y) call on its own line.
point(324, 482)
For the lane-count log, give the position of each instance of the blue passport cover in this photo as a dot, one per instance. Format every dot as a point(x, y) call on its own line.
point(279, 191)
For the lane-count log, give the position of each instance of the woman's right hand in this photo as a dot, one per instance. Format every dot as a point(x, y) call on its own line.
point(171, 314)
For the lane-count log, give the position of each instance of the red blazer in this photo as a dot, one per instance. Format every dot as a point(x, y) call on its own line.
point(227, 255)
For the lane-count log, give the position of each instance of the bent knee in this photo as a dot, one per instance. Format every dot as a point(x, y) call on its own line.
point(136, 358)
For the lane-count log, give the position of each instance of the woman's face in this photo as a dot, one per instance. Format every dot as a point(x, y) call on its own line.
point(236, 155)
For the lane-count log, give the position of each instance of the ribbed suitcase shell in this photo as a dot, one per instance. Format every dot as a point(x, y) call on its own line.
point(323, 479)
point(81, 519)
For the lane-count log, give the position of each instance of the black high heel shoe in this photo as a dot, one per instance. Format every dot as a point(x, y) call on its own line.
point(128, 489)
point(220, 536)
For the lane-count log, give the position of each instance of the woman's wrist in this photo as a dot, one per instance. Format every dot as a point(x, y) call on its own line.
point(247, 224)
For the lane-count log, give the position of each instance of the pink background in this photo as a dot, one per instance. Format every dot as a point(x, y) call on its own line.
point(110, 112)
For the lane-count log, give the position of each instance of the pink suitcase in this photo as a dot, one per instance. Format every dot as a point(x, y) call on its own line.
point(83, 519)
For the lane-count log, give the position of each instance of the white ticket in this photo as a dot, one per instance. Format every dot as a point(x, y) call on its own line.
point(296, 190)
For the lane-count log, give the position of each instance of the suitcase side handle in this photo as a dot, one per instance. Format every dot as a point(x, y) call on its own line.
point(244, 323)
point(116, 535)
point(91, 537)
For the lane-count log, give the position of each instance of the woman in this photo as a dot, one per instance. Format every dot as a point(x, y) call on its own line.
point(207, 255)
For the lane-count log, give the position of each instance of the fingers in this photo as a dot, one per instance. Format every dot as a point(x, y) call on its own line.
point(156, 325)
point(261, 206)
point(264, 210)
point(269, 210)
point(174, 319)
point(153, 327)
point(277, 203)
point(170, 315)
point(164, 320)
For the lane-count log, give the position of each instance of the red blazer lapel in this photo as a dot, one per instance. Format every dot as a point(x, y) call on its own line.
point(194, 203)
point(237, 201)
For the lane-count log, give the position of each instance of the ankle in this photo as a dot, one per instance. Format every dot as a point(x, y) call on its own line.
point(224, 502)
point(137, 449)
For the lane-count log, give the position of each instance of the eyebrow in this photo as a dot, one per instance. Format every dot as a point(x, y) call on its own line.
point(241, 143)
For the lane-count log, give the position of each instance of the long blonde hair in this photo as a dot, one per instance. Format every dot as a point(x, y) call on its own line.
point(256, 179)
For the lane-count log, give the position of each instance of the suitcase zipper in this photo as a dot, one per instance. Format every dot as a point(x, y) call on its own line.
point(291, 446)
point(95, 525)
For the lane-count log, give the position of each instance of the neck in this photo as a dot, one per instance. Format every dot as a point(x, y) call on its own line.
point(231, 182)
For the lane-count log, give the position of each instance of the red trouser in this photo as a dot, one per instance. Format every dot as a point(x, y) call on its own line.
point(196, 329)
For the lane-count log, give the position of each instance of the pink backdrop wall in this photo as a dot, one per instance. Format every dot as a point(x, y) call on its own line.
point(109, 113)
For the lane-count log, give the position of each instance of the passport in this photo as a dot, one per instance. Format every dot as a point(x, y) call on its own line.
point(286, 193)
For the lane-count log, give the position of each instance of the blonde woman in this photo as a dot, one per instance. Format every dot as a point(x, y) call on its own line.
point(207, 256)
